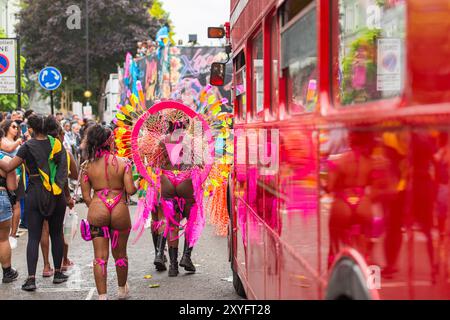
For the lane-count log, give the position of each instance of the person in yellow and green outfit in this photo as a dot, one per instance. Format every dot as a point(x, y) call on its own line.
point(46, 164)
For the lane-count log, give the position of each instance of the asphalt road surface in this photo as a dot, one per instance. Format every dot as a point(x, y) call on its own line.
point(212, 281)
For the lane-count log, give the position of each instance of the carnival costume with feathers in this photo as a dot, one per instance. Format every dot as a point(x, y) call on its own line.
point(141, 135)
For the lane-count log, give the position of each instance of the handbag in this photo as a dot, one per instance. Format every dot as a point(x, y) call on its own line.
point(85, 230)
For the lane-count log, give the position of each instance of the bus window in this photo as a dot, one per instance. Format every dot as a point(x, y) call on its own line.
point(370, 50)
point(274, 39)
point(240, 89)
point(292, 8)
point(299, 60)
point(258, 75)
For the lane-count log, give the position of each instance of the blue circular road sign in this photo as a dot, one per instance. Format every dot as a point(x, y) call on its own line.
point(50, 78)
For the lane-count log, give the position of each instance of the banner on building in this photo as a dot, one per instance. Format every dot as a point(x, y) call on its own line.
point(174, 73)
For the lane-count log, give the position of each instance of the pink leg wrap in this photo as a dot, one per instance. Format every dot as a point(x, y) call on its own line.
point(102, 263)
point(123, 263)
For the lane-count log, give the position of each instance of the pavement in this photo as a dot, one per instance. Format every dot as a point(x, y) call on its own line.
point(212, 281)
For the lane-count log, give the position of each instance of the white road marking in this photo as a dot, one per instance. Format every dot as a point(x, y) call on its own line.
point(53, 290)
point(90, 294)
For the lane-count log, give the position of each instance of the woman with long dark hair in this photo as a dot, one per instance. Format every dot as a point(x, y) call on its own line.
point(177, 197)
point(7, 182)
point(108, 216)
point(9, 145)
point(46, 164)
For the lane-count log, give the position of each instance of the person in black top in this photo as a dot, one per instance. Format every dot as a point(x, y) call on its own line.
point(46, 163)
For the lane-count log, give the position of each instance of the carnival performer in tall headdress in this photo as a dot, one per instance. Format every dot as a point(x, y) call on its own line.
point(177, 191)
point(173, 147)
point(46, 163)
point(111, 179)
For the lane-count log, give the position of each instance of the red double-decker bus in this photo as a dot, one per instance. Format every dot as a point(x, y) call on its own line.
point(340, 187)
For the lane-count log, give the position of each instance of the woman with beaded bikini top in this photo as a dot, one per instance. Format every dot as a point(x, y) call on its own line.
point(177, 195)
point(110, 178)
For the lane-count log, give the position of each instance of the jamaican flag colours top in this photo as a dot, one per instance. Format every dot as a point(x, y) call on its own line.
point(46, 163)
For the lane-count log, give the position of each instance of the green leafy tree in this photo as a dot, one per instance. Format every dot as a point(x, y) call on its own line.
point(9, 102)
point(115, 26)
point(156, 11)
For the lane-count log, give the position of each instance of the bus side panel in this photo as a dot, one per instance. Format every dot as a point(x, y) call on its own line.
point(240, 206)
point(298, 209)
point(256, 255)
point(385, 194)
point(268, 206)
point(256, 227)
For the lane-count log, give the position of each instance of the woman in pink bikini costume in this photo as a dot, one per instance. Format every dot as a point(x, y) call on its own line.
point(180, 190)
point(108, 216)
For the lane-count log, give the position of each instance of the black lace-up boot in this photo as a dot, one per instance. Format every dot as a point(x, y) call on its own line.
point(160, 258)
point(173, 267)
point(155, 241)
point(186, 261)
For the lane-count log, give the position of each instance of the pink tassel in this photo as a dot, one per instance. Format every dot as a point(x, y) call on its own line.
point(196, 221)
point(150, 200)
point(169, 213)
point(139, 235)
point(145, 214)
point(139, 212)
point(156, 225)
point(139, 223)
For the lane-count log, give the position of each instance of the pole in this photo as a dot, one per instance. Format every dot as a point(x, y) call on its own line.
point(87, 46)
point(6, 19)
point(19, 81)
point(51, 102)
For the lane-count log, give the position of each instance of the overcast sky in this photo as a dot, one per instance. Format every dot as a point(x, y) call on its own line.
point(195, 16)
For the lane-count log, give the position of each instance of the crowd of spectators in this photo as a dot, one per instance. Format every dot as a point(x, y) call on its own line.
point(15, 126)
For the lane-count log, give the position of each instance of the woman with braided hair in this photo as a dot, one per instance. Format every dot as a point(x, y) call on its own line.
point(177, 194)
point(46, 164)
point(108, 216)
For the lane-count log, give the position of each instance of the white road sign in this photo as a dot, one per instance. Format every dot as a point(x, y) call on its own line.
point(8, 81)
point(389, 65)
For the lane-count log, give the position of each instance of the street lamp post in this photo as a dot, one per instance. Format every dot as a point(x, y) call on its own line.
point(87, 45)
point(6, 18)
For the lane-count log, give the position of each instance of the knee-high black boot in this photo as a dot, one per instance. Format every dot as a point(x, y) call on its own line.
point(186, 261)
point(155, 241)
point(173, 267)
point(160, 258)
